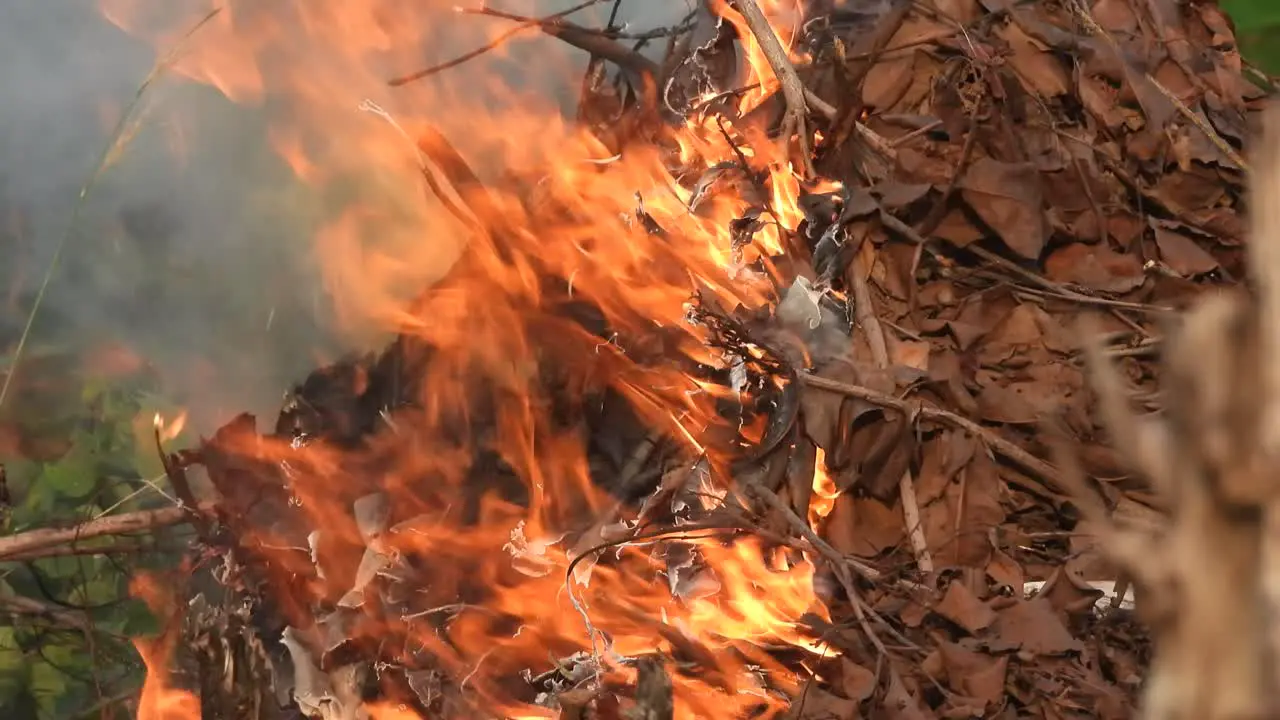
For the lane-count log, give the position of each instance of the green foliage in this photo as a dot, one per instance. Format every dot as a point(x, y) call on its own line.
point(1258, 30)
point(109, 465)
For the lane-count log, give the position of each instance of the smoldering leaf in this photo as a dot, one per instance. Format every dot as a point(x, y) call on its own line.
point(529, 557)
point(718, 177)
point(372, 513)
point(371, 563)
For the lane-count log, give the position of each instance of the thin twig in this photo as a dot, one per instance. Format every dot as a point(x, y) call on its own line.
point(865, 310)
point(593, 41)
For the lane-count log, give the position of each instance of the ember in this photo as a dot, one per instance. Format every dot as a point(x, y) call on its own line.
point(721, 401)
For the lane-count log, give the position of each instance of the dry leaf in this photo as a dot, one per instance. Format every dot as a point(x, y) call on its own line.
point(1182, 255)
point(1095, 267)
point(1009, 198)
point(1034, 627)
point(857, 682)
point(963, 608)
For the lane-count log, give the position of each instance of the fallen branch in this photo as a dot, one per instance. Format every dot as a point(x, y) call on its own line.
point(33, 541)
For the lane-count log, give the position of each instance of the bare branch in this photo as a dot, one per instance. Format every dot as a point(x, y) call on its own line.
point(33, 541)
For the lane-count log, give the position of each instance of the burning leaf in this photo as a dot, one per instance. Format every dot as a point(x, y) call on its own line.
point(372, 513)
point(371, 564)
point(530, 557)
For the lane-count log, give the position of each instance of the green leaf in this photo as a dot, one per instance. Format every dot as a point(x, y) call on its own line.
point(131, 617)
point(74, 476)
point(1253, 15)
point(146, 459)
point(13, 667)
point(47, 684)
point(63, 568)
point(98, 591)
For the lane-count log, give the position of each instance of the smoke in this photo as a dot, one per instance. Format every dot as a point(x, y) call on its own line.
point(194, 249)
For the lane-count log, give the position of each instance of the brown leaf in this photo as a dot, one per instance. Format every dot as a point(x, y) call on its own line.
point(1021, 329)
point(864, 527)
point(942, 459)
point(882, 453)
point(1067, 591)
point(888, 81)
point(909, 353)
point(1182, 254)
point(818, 704)
point(1004, 571)
point(1014, 404)
point(822, 410)
point(1199, 187)
point(899, 703)
point(1100, 100)
point(963, 608)
point(975, 675)
point(894, 194)
point(919, 167)
point(856, 682)
point(1041, 73)
point(1010, 199)
point(962, 11)
point(1034, 627)
point(981, 509)
point(1116, 16)
point(1095, 267)
point(956, 229)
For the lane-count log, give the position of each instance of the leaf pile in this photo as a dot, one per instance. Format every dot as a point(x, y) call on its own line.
point(1005, 167)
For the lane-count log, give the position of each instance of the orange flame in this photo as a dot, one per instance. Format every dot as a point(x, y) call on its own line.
point(159, 701)
point(566, 210)
point(825, 491)
point(170, 429)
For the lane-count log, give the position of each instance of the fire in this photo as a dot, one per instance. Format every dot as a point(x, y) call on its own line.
point(564, 226)
point(825, 491)
point(168, 430)
point(159, 700)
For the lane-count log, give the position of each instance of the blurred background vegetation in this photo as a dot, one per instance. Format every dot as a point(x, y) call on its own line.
point(76, 443)
point(1257, 30)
